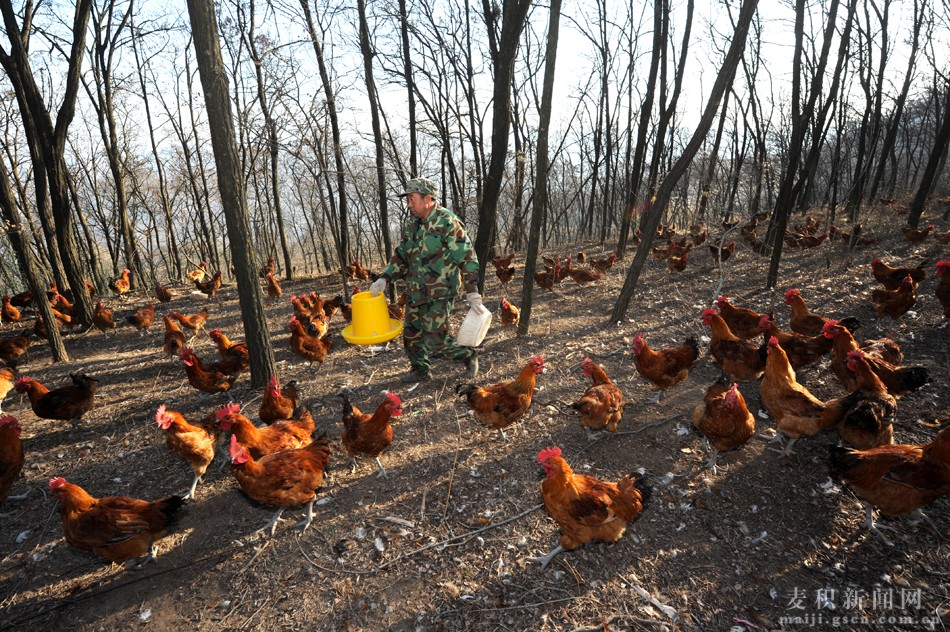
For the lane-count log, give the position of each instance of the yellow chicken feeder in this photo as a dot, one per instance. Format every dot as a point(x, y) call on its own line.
point(371, 322)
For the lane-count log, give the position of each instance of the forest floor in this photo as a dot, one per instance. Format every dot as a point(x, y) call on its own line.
point(763, 543)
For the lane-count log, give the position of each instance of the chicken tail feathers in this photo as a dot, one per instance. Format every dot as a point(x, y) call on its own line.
point(640, 483)
point(347, 405)
point(841, 459)
point(169, 508)
point(914, 377)
point(850, 323)
point(464, 390)
point(693, 344)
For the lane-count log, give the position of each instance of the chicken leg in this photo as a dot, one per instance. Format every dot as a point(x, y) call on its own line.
point(875, 527)
point(191, 492)
point(272, 525)
point(303, 524)
point(594, 435)
point(544, 560)
point(656, 398)
point(382, 470)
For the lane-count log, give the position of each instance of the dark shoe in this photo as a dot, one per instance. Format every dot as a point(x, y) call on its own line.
point(415, 376)
point(471, 366)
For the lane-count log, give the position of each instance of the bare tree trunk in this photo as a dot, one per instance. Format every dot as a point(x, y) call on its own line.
point(927, 181)
point(52, 140)
point(664, 192)
point(231, 185)
point(410, 88)
point(540, 201)
point(27, 263)
point(273, 144)
point(368, 53)
point(635, 175)
point(107, 36)
point(317, 41)
point(504, 51)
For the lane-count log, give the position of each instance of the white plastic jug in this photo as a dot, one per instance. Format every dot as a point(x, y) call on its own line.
point(474, 327)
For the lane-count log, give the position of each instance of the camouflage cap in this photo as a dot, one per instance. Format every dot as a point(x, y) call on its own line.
point(423, 186)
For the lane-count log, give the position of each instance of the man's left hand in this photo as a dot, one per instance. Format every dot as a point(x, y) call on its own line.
point(474, 299)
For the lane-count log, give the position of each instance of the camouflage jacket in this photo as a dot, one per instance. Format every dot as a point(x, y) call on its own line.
point(432, 256)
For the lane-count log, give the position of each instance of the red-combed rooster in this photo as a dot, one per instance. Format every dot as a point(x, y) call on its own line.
point(277, 405)
point(285, 479)
point(117, 528)
point(68, 403)
point(501, 405)
point(369, 435)
point(601, 406)
point(288, 434)
point(723, 419)
point(666, 367)
point(194, 442)
point(897, 479)
point(587, 509)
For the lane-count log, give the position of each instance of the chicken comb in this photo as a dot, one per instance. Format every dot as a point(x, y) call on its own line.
point(24, 380)
point(160, 414)
point(8, 419)
point(228, 409)
point(943, 264)
point(537, 360)
point(187, 351)
point(586, 364)
point(722, 299)
point(547, 454)
point(829, 324)
point(56, 483)
point(272, 382)
point(792, 292)
point(214, 332)
point(875, 261)
point(394, 399)
point(709, 311)
point(773, 342)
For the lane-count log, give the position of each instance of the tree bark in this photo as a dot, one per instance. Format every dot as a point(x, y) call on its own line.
point(231, 185)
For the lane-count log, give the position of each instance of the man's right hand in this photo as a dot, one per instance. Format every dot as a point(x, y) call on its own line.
point(378, 286)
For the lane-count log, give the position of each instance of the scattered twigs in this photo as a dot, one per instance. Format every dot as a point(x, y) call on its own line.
point(442, 543)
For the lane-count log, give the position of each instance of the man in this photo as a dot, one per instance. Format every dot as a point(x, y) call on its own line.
point(434, 257)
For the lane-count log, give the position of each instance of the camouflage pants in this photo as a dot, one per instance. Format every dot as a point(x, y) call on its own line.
point(426, 331)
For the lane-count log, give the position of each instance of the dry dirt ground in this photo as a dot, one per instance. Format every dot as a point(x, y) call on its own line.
point(441, 544)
